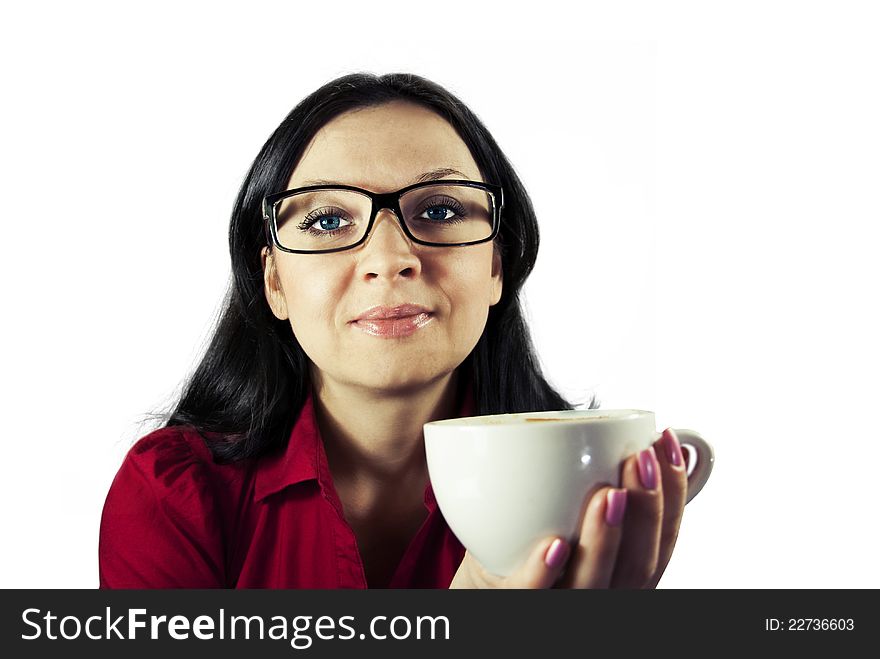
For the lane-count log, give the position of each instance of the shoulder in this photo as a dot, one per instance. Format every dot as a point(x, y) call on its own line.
point(177, 458)
point(175, 467)
point(167, 464)
point(183, 442)
point(167, 450)
point(163, 523)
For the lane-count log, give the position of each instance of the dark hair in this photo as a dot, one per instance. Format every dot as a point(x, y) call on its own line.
point(251, 382)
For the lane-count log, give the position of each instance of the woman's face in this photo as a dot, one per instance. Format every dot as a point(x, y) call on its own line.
point(383, 149)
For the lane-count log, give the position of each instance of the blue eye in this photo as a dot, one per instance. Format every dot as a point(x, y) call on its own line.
point(327, 219)
point(437, 212)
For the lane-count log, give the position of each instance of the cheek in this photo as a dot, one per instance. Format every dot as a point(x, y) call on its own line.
point(470, 294)
point(312, 303)
point(470, 279)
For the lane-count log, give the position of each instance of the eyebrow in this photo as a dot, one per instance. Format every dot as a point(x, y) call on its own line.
point(431, 175)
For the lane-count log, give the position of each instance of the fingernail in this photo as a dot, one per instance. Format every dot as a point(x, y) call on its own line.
point(615, 506)
point(648, 468)
point(557, 553)
point(673, 448)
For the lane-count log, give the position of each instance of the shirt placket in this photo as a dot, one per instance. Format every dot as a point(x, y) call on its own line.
point(349, 566)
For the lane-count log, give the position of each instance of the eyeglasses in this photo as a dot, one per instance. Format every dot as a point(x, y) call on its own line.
point(330, 218)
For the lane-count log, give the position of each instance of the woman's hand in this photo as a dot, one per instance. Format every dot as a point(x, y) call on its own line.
point(630, 554)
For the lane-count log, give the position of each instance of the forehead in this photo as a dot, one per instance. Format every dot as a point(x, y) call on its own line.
point(383, 148)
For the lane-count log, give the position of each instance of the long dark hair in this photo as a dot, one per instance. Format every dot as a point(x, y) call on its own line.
point(253, 378)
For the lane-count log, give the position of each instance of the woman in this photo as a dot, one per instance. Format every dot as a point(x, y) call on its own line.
point(295, 456)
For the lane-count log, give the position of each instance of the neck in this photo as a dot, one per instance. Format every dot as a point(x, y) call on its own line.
point(374, 438)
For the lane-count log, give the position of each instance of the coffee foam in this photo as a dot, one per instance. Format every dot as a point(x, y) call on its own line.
point(500, 420)
point(569, 419)
point(569, 416)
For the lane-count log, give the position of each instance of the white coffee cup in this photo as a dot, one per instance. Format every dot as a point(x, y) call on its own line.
point(506, 481)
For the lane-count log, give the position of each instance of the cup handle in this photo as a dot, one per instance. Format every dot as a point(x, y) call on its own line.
point(703, 459)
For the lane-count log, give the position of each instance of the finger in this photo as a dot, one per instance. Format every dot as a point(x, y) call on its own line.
point(593, 558)
point(471, 574)
point(639, 549)
point(673, 476)
point(542, 567)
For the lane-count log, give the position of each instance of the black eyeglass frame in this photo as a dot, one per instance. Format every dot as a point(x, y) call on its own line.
point(389, 200)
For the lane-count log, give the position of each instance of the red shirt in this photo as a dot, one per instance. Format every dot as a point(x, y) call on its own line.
point(175, 519)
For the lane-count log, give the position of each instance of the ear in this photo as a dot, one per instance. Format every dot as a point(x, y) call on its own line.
point(497, 276)
point(272, 286)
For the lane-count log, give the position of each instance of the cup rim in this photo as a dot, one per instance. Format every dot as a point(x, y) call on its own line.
point(517, 418)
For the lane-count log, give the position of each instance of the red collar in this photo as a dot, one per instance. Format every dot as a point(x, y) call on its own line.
point(304, 458)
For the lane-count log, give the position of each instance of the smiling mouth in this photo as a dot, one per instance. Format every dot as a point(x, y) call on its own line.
point(392, 328)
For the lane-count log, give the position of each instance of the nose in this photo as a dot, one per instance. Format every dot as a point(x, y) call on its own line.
point(388, 251)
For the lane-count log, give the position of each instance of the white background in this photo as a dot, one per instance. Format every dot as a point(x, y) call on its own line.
point(706, 181)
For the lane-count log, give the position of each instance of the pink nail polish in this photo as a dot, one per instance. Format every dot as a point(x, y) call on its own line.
point(557, 553)
point(648, 468)
point(673, 448)
point(615, 507)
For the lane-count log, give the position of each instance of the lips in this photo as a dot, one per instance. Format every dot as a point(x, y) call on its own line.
point(382, 312)
point(393, 322)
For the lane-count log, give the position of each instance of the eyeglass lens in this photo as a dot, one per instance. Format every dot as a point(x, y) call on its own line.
point(330, 219)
